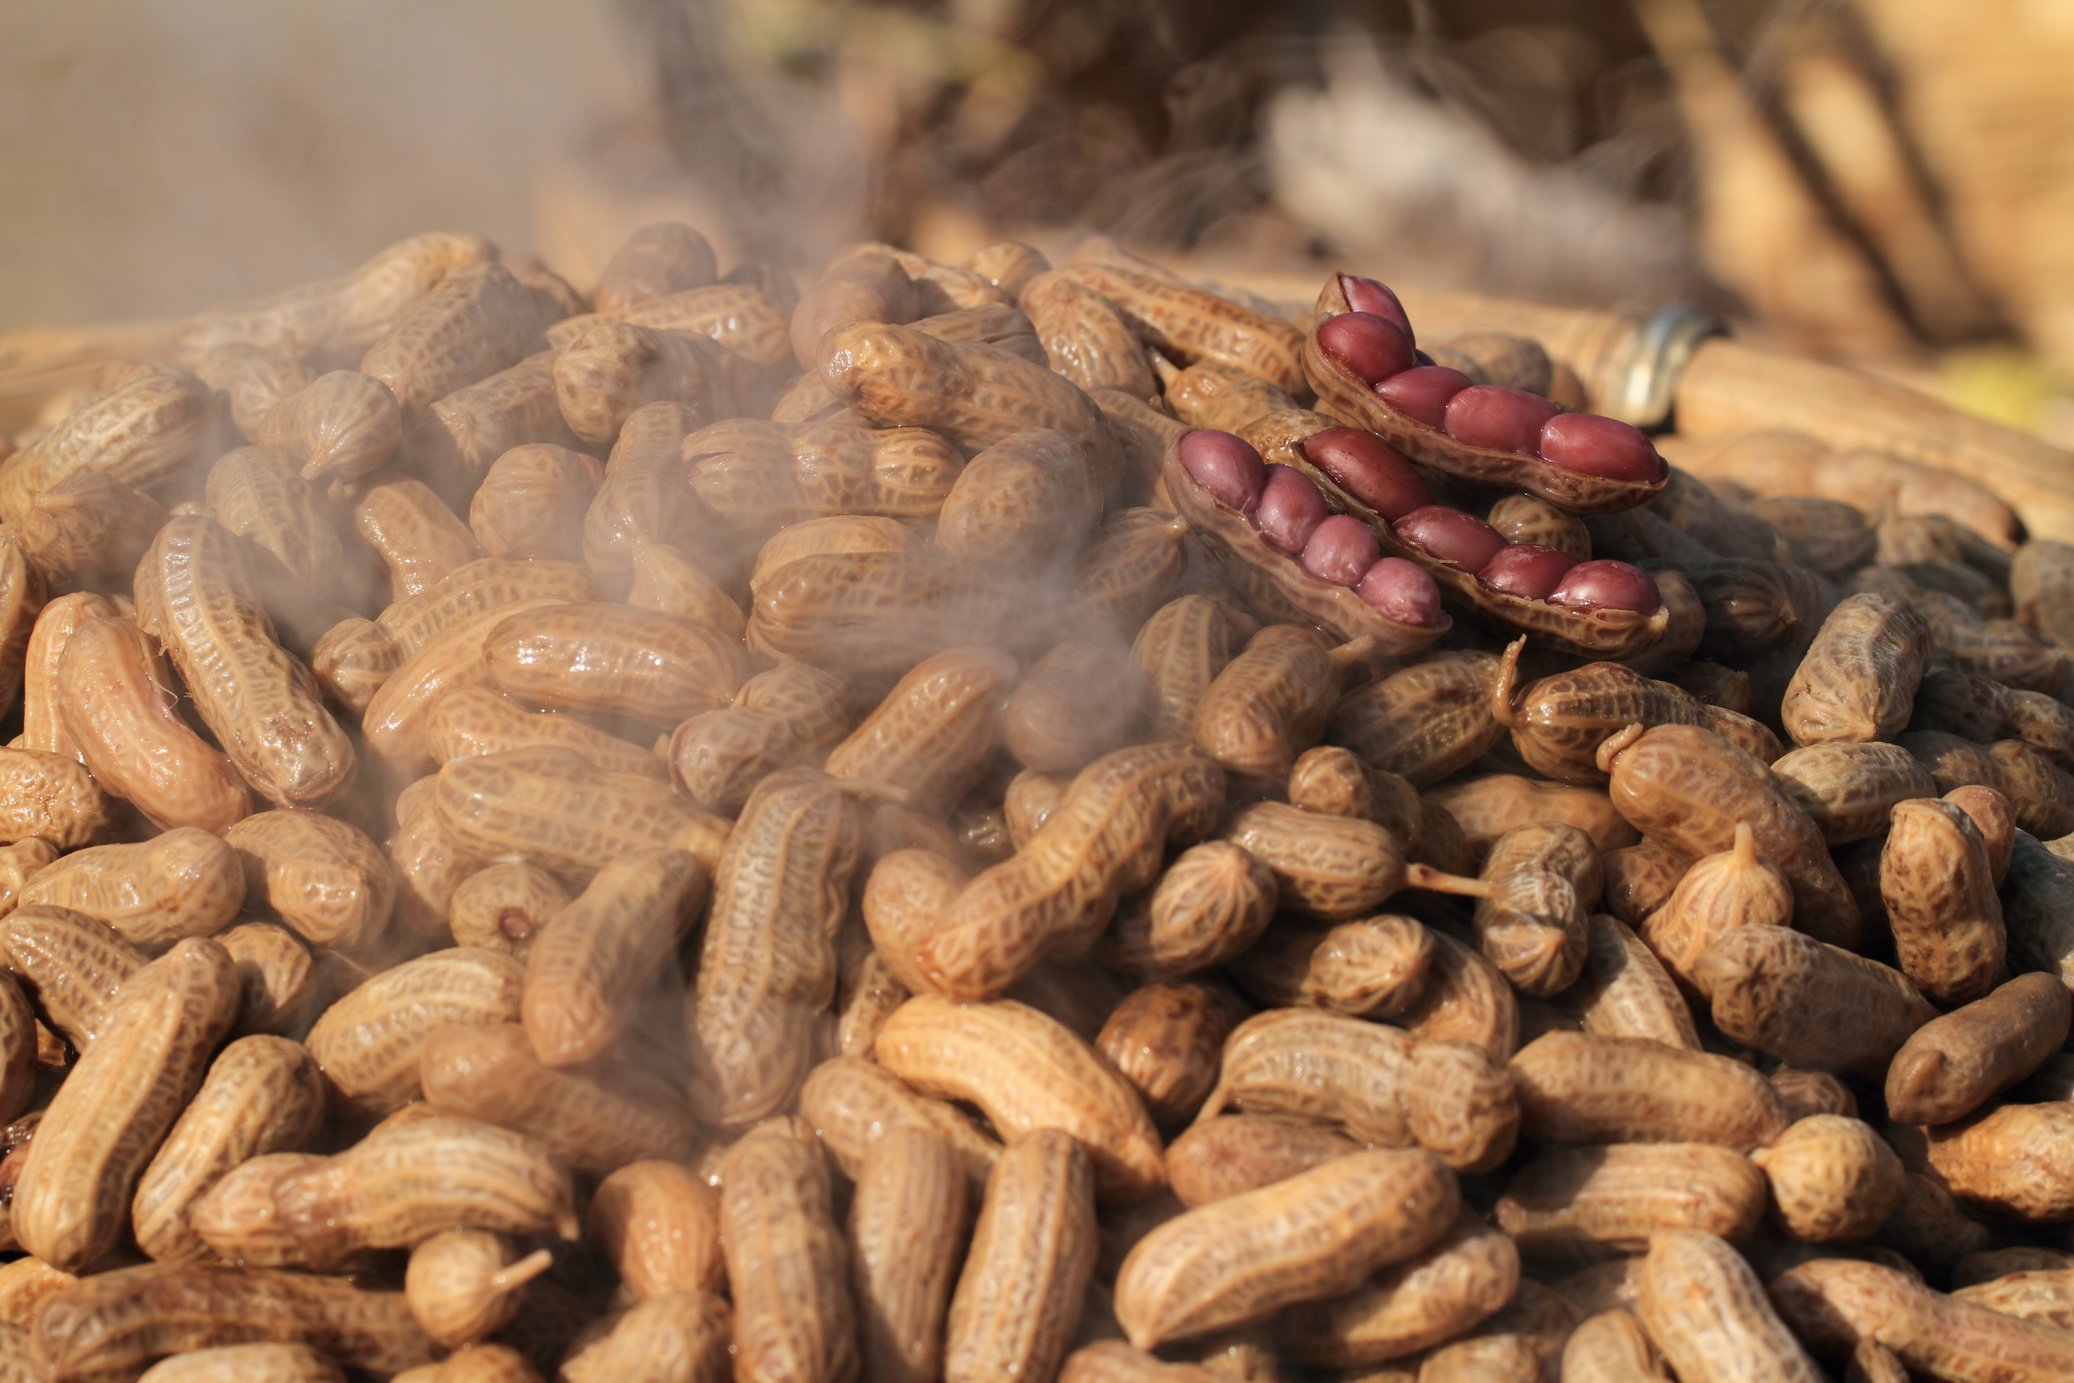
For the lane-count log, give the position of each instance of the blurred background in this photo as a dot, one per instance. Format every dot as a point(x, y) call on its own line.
point(1885, 181)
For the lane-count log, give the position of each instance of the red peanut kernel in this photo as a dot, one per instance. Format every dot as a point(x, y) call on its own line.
point(1423, 392)
point(1402, 591)
point(1376, 299)
point(1497, 418)
point(1459, 539)
point(1593, 445)
point(1341, 550)
point(1372, 347)
point(1526, 569)
point(1291, 508)
point(1604, 584)
point(1226, 466)
point(1369, 469)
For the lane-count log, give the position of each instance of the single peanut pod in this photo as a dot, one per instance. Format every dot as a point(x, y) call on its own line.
point(1939, 890)
point(658, 1224)
point(602, 950)
point(2045, 1295)
point(778, 718)
point(1691, 788)
point(153, 423)
point(1212, 903)
point(786, 1265)
point(115, 1323)
point(2012, 1160)
point(1625, 990)
point(1188, 323)
point(257, 493)
point(253, 1363)
point(406, 524)
point(1107, 837)
point(1425, 1300)
point(121, 1098)
point(1018, 1299)
point(1327, 778)
point(907, 1221)
point(1373, 967)
point(1809, 1003)
point(1543, 881)
point(767, 964)
point(1179, 651)
point(1832, 1178)
point(1085, 336)
point(681, 1335)
point(1576, 1088)
point(1848, 788)
point(1580, 1201)
point(369, 1041)
point(613, 660)
point(323, 878)
point(377, 1194)
point(69, 965)
point(462, 1284)
point(474, 322)
point(43, 726)
point(1466, 1000)
point(1858, 679)
point(195, 594)
point(1079, 701)
point(1488, 805)
point(935, 731)
point(50, 796)
point(261, 1095)
point(851, 1102)
point(1707, 1312)
point(1376, 1083)
point(1314, 1236)
point(861, 283)
point(505, 906)
point(1957, 1062)
point(1718, 894)
point(339, 426)
point(593, 1121)
point(667, 580)
point(1834, 1303)
point(549, 806)
point(182, 883)
point(1165, 1039)
point(1052, 1079)
point(1237, 1153)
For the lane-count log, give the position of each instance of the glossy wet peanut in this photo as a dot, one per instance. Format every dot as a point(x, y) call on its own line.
point(786, 1265)
point(410, 528)
point(1079, 701)
point(1425, 1300)
point(251, 1363)
point(1707, 1312)
point(1625, 991)
point(116, 702)
point(322, 877)
point(1179, 651)
point(907, 1222)
point(776, 719)
point(505, 906)
point(1372, 1081)
point(1835, 1302)
point(196, 595)
point(1859, 676)
point(1026, 1071)
point(85, 531)
point(1848, 789)
point(69, 965)
point(1269, 704)
point(184, 882)
point(767, 962)
point(1313, 1236)
point(1372, 967)
point(1717, 894)
point(548, 805)
point(1614, 1198)
point(681, 1335)
point(404, 1184)
point(1486, 806)
point(1957, 1062)
point(1018, 1299)
point(1832, 1178)
point(1578, 1088)
point(43, 725)
point(1809, 1003)
point(1543, 882)
point(1942, 909)
point(1165, 1038)
point(150, 426)
point(1212, 903)
point(1426, 721)
point(49, 796)
point(119, 1102)
point(462, 1284)
point(1236, 1153)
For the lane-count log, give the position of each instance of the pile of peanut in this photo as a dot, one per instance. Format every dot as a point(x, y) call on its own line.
point(1001, 822)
